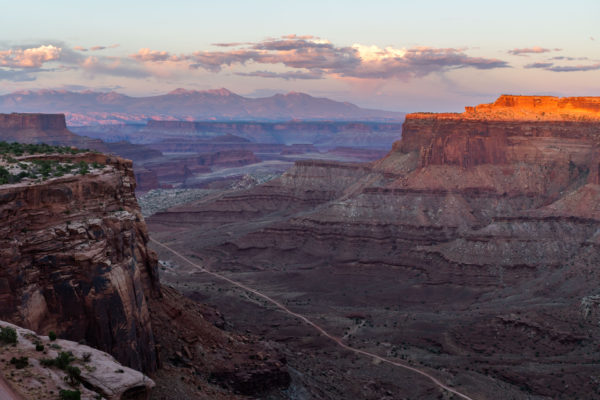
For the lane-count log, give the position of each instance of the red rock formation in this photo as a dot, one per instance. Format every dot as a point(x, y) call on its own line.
point(75, 260)
point(42, 128)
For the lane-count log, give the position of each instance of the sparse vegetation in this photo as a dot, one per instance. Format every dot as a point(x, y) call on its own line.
point(20, 362)
point(73, 373)
point(52, 335)
point(19, 149)
point(69, 395)
point(13, 170)
point(8, 335)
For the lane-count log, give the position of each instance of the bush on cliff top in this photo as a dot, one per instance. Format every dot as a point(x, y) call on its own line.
point(69, 395)
point(8, 335)
point(18, 149)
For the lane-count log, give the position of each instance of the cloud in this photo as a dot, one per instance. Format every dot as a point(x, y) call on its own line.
point(29, 57)
point(147, 55)
point(232, 44)
point(569, 58)
point(530, 50)
point(95, 48)
point(575, 68)
point(564, 68)
point(317, 57)
point(113, 66)
point(291, 75)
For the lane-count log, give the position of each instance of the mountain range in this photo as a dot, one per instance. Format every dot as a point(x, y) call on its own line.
point(100, 108)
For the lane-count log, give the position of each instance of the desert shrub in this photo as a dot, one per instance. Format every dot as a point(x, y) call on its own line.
point(4, 175)
point(69, 395)
point(62, 360)
point(20, 362)
point(73, 373)
point(8, 335)
point(83, 167)
point(39, 347)
point(52, 335)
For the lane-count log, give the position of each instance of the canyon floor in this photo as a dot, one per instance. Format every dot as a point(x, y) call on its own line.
point(386, 310)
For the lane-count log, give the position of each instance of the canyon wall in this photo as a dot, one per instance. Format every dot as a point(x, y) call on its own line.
point(75, 260)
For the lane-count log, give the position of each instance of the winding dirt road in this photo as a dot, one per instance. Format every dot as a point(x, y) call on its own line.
point(322, 331)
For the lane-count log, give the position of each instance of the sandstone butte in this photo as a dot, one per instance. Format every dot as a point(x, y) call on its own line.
point(482, 226)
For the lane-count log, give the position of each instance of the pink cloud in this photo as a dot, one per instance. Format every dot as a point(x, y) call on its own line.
point(530, 50)
point(315, 57)
point(147, 55)
point(29, 58)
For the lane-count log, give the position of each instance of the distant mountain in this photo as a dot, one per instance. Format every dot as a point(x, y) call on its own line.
point(93, 108)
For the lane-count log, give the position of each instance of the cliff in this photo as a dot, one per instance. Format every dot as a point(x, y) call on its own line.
point(473, 242)
point(43, 128)
point(75, 261)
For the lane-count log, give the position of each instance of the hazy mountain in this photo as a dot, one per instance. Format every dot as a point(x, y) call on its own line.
point(90, 108)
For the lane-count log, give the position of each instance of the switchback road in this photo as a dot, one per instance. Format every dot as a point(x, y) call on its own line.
point(322, 331)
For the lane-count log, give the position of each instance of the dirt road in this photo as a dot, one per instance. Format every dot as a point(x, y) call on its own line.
point(322, 331)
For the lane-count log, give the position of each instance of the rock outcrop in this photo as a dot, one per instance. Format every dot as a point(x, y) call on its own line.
point(102, 376)
point(43, 128)
point(483, 226)
point(75, 261)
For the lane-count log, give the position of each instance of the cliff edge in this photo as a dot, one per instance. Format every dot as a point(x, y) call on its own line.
point(74, 255)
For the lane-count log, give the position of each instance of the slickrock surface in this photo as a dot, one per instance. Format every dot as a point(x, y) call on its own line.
point(102, 376)
point(75, 261)
point(470, 249)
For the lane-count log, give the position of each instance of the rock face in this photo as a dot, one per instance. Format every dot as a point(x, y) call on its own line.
point(101, 374)
point(75, 261)
point(484, 229)
point(46, 128)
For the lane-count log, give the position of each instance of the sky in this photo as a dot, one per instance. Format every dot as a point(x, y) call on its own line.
point(429, 55)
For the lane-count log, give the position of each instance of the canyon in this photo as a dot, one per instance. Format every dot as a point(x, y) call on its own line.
point(468, 250)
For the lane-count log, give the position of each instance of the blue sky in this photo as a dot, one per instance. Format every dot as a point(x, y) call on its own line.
point(397, 55)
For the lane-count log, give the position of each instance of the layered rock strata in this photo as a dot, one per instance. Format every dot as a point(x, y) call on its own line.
point(75, 259)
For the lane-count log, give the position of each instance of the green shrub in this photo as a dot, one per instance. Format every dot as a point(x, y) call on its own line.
point(69, 395)
point(39, 347)
point(20, 362)
point(8, 335)
point(52, 335)
point(63, 359)
point(73, 373)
